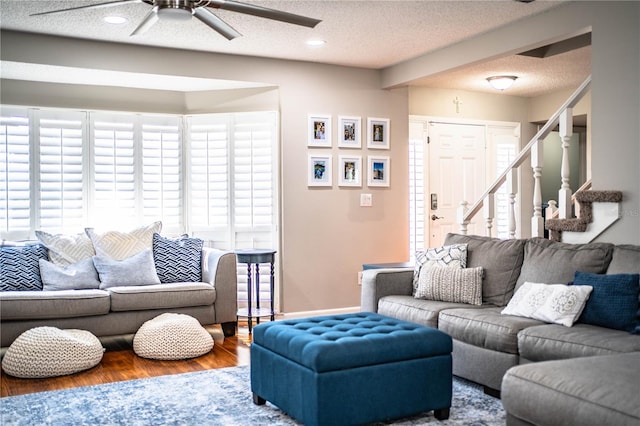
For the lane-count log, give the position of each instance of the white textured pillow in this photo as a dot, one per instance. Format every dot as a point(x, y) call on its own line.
point(121, 245)
point(77, 276)
point(552, 303)
point(456, 285)
point(452, 256)
point(66, 249)
point(138, 269)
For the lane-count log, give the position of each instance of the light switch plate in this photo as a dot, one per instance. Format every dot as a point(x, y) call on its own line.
point(365, 200)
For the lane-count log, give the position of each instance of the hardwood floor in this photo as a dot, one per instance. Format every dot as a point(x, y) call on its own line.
point(121, 363)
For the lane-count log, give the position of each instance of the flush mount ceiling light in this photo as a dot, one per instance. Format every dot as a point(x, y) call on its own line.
point(501, 82)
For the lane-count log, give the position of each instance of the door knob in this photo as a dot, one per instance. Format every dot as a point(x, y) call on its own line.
point(434, 217)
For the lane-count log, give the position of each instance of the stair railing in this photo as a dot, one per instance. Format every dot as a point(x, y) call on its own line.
point(534, 149)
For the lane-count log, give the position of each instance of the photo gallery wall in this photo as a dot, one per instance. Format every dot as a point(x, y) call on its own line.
point(350, 167)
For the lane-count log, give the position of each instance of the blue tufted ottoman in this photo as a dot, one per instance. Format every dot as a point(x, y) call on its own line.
point(351, 369)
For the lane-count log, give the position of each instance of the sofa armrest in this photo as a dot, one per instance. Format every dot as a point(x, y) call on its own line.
point(377, 283)
point(219, 269)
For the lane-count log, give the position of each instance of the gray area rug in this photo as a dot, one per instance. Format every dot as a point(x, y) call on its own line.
point(212, 397)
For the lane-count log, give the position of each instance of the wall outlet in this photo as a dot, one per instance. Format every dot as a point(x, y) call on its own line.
point(359, 278)
point(365, 200)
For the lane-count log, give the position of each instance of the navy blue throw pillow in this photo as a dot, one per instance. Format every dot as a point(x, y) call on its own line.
point(178, 260)
point(20, 267)
point(613, 302)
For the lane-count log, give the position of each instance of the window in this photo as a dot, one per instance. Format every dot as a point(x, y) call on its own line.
point(217, 180)
point(233, 184)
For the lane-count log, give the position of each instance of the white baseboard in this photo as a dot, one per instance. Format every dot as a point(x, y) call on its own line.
point(305, 314)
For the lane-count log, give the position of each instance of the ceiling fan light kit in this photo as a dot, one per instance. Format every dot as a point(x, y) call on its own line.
point(183, 10)
point(501, 82)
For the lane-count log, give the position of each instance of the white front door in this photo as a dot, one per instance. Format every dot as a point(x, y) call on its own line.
point(457, 170)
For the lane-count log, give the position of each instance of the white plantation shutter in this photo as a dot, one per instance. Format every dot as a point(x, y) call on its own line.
point(61, 174)
point(505, 154)
point(114, 200)
point(162, 173)
point(417, 207)
point(15, 182)
point(209, 195)
point(232, 185)
point(137, 169)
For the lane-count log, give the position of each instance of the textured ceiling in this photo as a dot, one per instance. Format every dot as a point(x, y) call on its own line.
point(369, 34)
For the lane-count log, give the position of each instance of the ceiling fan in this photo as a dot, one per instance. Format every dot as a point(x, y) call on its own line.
point(182, 10)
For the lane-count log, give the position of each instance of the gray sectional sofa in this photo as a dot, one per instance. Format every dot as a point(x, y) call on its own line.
point(486, 343)
point(123, 309)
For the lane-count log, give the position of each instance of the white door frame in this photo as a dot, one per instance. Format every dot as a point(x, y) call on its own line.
point(491, 128)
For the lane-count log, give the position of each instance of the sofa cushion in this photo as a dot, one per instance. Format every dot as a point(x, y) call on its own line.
point(20, 267)
point(452, 256)
point(121, 245)
point(419, 311)
point(551, 341)
point(138, 269)
point(625, 260)
point(75, 276)
point(177, 260)
point(552, 262)
point(587, 391)
point(553, 303)
point(27, 305)
point(66, 249)
point(613, 302)
point(500, 259)
point(161, 296)
point(485, 328)
point(460, 285)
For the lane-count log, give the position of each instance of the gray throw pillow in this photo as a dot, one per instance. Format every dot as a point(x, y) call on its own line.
point(458, 285)
point(547, 261)
point(138, 269)
point(76, 276)
point(500, 259)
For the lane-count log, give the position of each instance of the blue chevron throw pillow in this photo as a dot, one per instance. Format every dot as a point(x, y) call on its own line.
point(178, 260)
point(20, 267)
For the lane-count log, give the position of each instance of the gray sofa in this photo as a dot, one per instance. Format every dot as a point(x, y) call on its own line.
point(123, 309)
point(486, 343)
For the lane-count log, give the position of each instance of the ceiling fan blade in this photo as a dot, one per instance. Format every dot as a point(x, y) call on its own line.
point(264, 12)
point(216, 23)
point(147, 22)
point(91, 6)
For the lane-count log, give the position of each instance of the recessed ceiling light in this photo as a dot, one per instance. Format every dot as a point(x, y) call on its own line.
point(115, 20)
point(316, 43)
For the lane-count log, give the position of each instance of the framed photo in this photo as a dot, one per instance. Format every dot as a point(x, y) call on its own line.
point(349, 132)
point(378, 133)
point(319, 131)
point(350, 170)
point(379, 171)
point(320, 170)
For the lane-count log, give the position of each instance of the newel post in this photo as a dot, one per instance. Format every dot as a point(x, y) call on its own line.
point(564, 195)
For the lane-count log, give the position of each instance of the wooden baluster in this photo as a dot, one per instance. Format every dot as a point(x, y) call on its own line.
point(462, 210)
point(512, 189)
point(564, 195)
point(489, 212)
point(537, 163)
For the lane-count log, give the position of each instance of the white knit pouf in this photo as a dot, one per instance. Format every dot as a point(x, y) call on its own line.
point(49, 351)
point(172, 336)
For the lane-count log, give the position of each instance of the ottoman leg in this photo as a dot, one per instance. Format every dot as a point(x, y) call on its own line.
point(258, 400)
point(441, 414)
